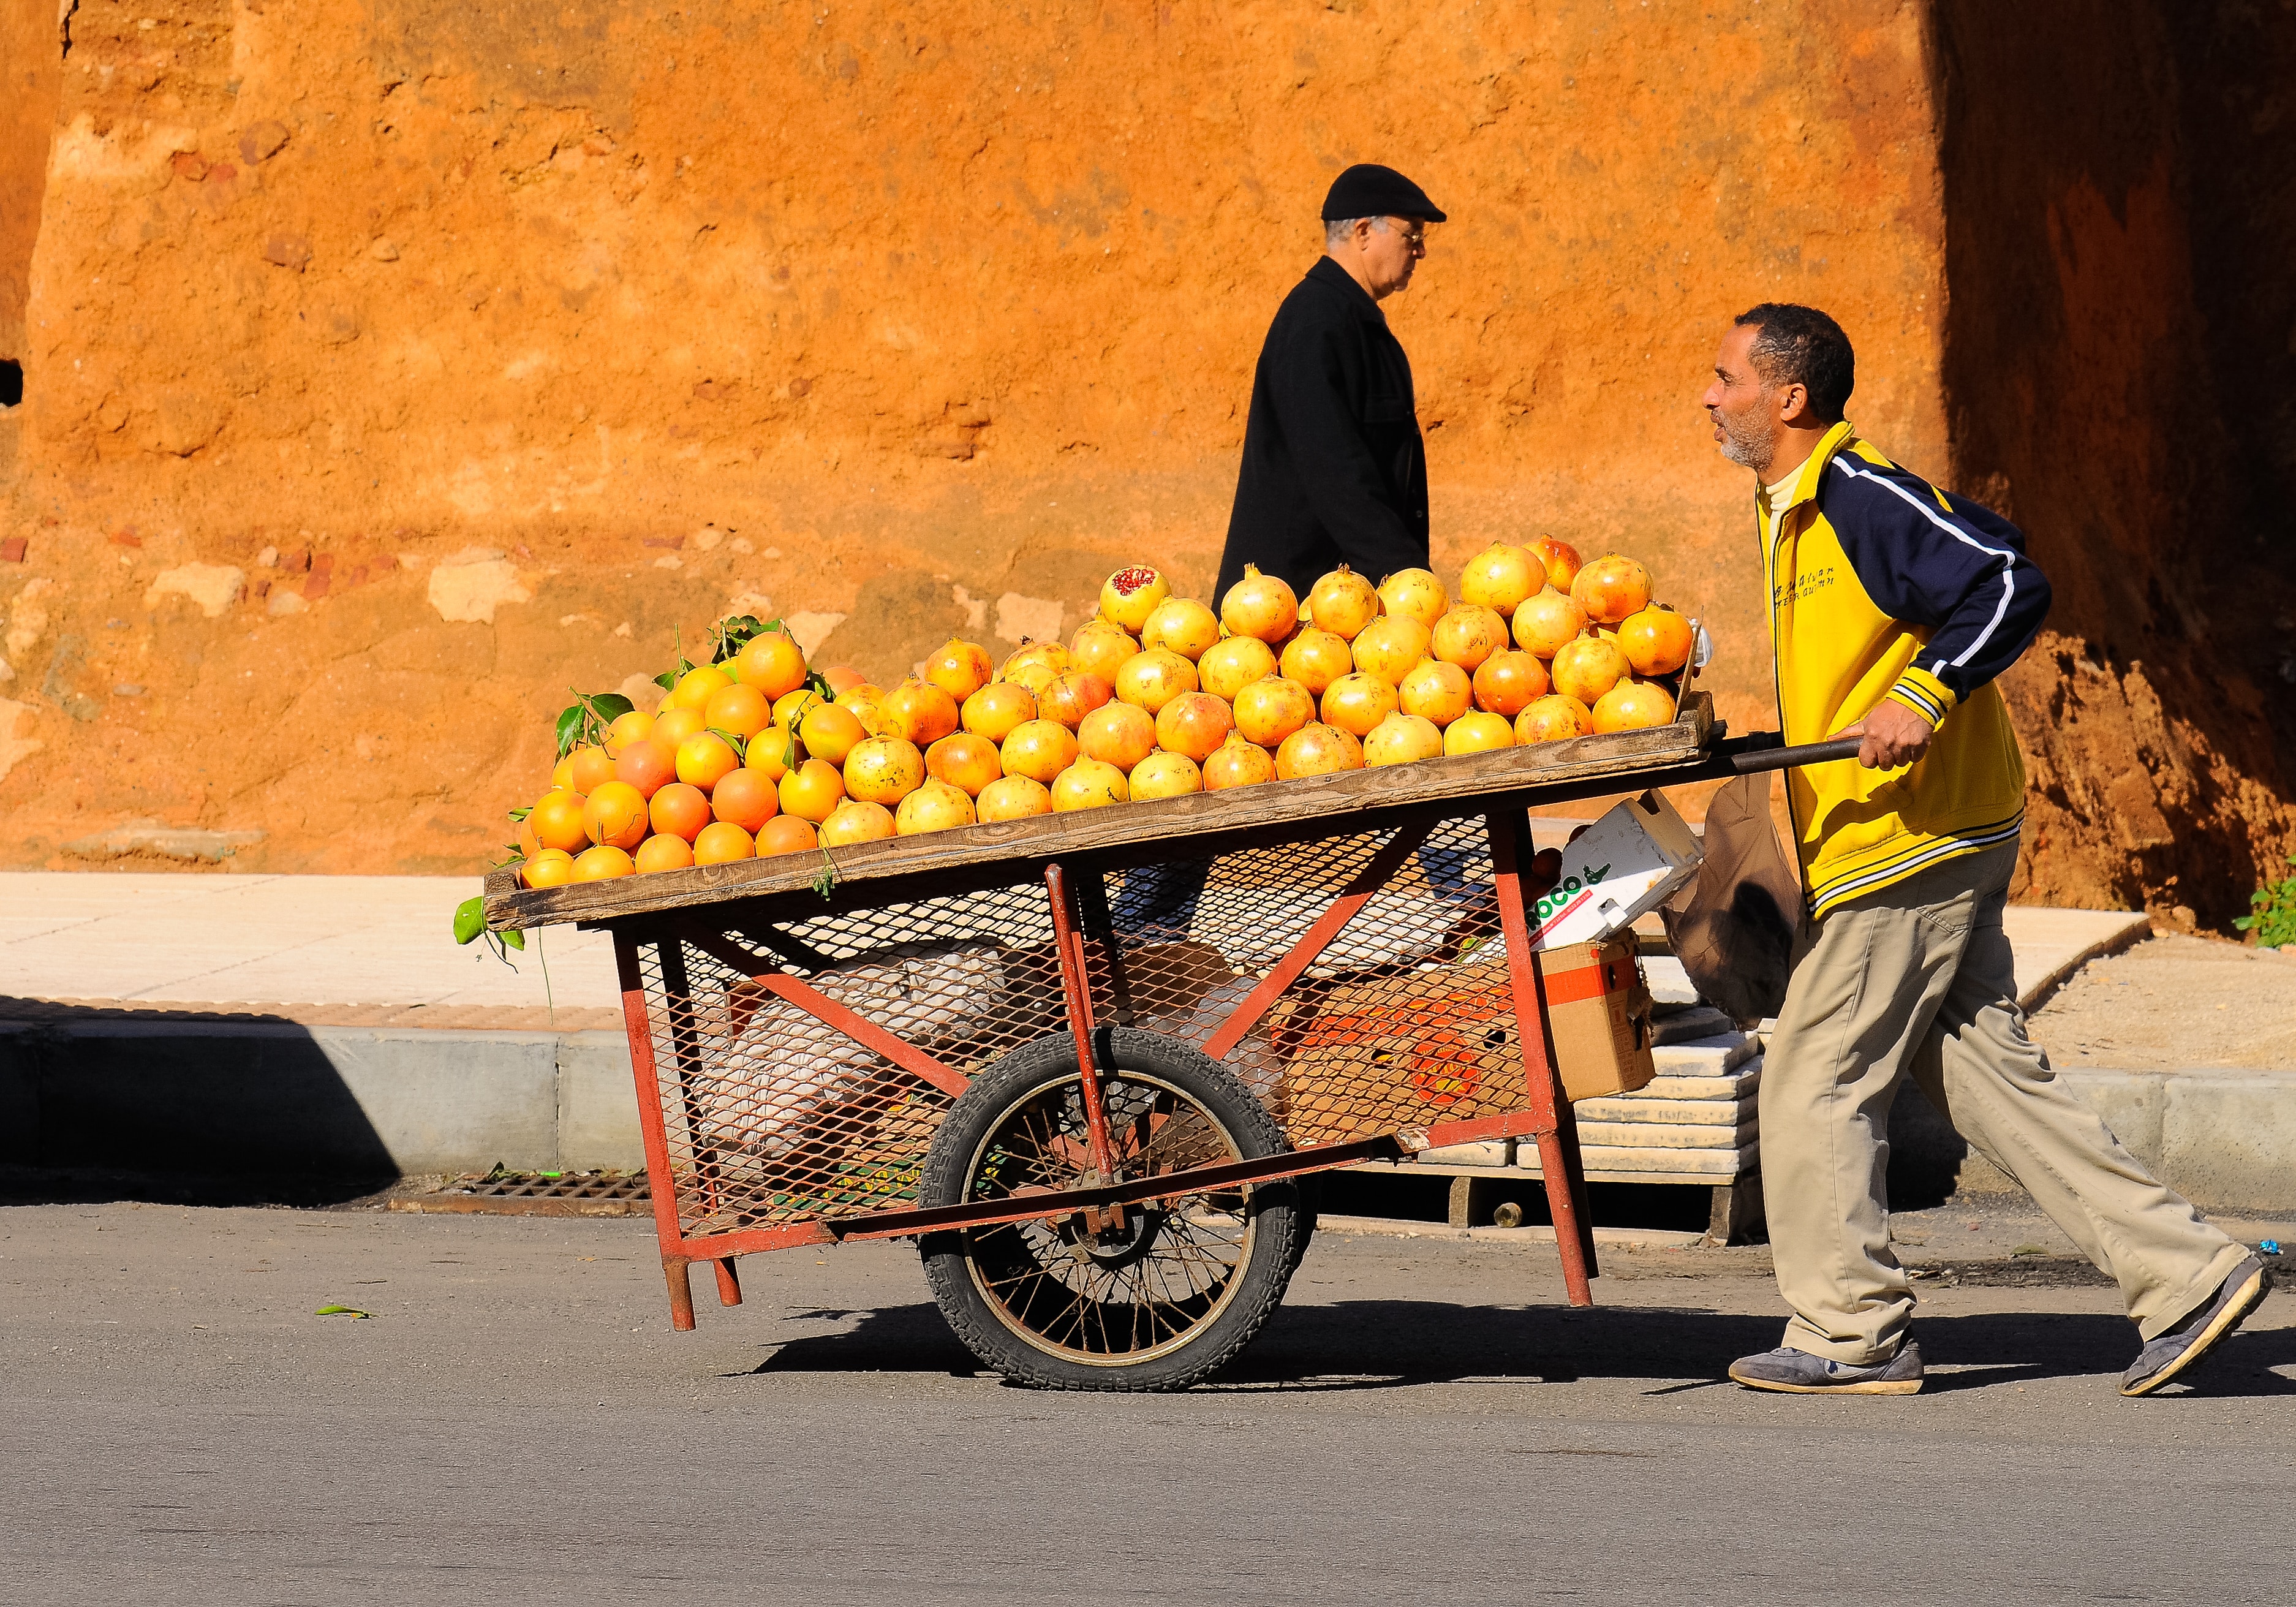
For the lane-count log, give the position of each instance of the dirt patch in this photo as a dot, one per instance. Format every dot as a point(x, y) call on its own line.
point(2175, 1003)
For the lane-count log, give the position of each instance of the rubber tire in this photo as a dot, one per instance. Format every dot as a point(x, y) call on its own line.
point(1279, 1231)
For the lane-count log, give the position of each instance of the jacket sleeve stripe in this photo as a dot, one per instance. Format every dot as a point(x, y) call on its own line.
point(2008, 558)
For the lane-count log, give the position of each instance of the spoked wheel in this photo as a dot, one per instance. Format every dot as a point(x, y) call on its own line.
point(1154, 1295)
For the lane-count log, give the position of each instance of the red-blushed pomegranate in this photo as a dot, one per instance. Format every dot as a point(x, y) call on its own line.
point(1100, 648)
point(1194, 723)
point(1414, 595)
point(1318, 750)
point(920, 712)
point(1154, 677)
point(1560, 560)
point(1272, 708)
point(1034, 664)
point(1633, 705)
point(1547, 621)
point(1128, 596)
point(1586, 668)
point(1356, 702)
point(1236, 763)
point(1553, 718)
point(1088, 784)
point(1342, 602)
point(1070, 695)
point(723, 843)
point(966, 762)
point(1039, 750)
point(1234, 663)
point(662, 853)
point(960, 668)
point(1391, 647)
point(1264, 606)
point(1657, 640)
point(1316, 658)
point(1402, 739)
point(853, 822)
point(1013, 797)
point(1611, 588)
point(1499, 578)
point(1437, 691)
point(935, 807)
point(1181, 625)
point(1121, 734)
point(883, 770)
point(994, 709)
point(603, 863)
point(1468, 635)
point(1510, 682)
point(1165, 775)
point(1478, 733)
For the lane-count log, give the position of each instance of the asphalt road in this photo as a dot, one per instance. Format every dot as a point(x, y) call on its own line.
point(1424, 1420)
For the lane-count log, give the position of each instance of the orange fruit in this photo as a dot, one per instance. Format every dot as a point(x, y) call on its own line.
point(772, 752)
point(647, 764)
point(552, 867)
point(1013, 797)
point(965, 761)
point(843, 677)
point(742, 711)
point(602, 863)
point(615, 816)
point(830, 732)
point(663, 852)
point(695, 687)
point(854, 821)
point(791, 706)
point(772, 663)
point(920, 712)
point(960, 669)
point(883, 770)
point(556, 820)
point(994, 709)
point(745, 798)
point(786, 834)
point(674, 726)
point(705, 760)
point(720, 842)
point(529, 844)
point(635, 727)
point(591, 767)
point(679, 810)
point(1039, 750)
point(562, 775)
point(812, 790)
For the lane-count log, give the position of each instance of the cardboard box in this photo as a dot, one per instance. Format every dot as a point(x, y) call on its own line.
point(1625, 864)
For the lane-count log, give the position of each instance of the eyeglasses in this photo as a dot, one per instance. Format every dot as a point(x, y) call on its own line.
point(1414, 234)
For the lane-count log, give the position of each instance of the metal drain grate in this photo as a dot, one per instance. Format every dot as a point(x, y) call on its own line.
point(536, 1194)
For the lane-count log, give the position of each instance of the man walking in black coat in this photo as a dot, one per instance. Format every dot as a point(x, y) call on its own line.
point(1335, 470)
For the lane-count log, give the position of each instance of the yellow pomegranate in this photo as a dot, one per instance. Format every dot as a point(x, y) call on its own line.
point(1547, 619)
point(1013, 797)
point(1121, 734)
point(960, 669)
point(920, 711)
point(1194, 723)
point(1100, 648)
point(1588, 667)
point(1437, 691)
point(1088, 784)
point(1034, 665)
point(1500, 577)
point(1154, 677)
point(1342, 602)
point(1389, 648)
point(1236, 763)
point(935, 807)
point(1233, 664)
point(1559, 558)
point(1318, 750)
point(1402, 739)
point(830, 731)
point(1414, 594)
point(966, 762)
point(994, 709)
point(1355, 703)
point(1632, 705)
point(1553, 718)
point(1183, 626)
point(883, 770)
point(1657, 640)
point(1165, 775)
point(1128, 596)
point(853, 822)
point(1467, 635)
point(1039, 750)
point(1263, 606)
point(1316, 658)
point(1478, 733)
point(1272, 708)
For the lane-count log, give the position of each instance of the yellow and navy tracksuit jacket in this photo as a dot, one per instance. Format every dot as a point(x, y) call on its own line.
point(1882, 586)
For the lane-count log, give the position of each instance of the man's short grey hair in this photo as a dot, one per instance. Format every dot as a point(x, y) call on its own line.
point(1339, 228)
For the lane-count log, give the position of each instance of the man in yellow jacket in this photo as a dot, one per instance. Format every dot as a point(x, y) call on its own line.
point(1892, 608)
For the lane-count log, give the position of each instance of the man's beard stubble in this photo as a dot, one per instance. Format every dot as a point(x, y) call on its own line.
point(1745, 442)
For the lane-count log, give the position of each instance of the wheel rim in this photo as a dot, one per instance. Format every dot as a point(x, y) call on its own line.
point(1115, 1297)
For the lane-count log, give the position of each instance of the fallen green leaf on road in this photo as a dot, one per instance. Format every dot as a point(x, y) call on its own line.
point(340, 1311)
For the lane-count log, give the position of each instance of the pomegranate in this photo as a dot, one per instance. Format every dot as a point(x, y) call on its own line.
point(1118, 733)
point(1236, 763)
point(1500, 577)
point(996, 707)
point(1316, 658)
point(853, 821)
point(1183, 626)
point(1270, 709)
point(935, 807)
point(1088, 784)
point(1355, 703)
point(1318, 750)
point(920, 712)
point(1070, 695)
point(1560, 559)
point(1586, 668)
point(1235, 664)
point(1194, 723)
point(883, 770)
point(1039, 750)
point(1632, 705)
point(1013, 797)
point(1468, 635)
point(965, 761)
point(960, 669)
point(1478, 733)
point(1128, 596)
point(1165, 775)
point(1154, 677)
point(1034, 664)
point(1342, 602)
point(1402, 739)
point(1546, 620)
point(1264, 606)
point(1414, 594)
point(1509, 682)
point(1390, 648)
point(1657, 640)
point(1437, 691)
point(1553, 718)
point(1611, 588)
point(1100, 648)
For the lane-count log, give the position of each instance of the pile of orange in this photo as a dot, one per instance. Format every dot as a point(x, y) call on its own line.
point(1154, 696)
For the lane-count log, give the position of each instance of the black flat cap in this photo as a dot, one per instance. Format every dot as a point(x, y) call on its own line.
point(1368, 190)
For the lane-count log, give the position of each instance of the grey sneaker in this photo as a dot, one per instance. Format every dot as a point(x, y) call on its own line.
point(2190, 1339)
point(1799, 1373)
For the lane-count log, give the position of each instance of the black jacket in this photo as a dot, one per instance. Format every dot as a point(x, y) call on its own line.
point(1335, 470)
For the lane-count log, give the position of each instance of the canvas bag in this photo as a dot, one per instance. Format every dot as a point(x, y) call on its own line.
point(1734, 931)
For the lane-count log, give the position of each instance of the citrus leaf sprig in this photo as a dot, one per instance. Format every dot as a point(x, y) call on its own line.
point(587, 718)
point(471, 925)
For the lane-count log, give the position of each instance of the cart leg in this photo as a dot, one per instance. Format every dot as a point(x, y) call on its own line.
point(680, 1294)
point(729, 1283)
point(1572, 1241)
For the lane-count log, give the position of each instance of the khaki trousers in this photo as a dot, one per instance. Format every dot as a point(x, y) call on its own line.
point(1918, 979)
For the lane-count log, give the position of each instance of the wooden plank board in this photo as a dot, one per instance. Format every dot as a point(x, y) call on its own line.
point(1168, 828)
